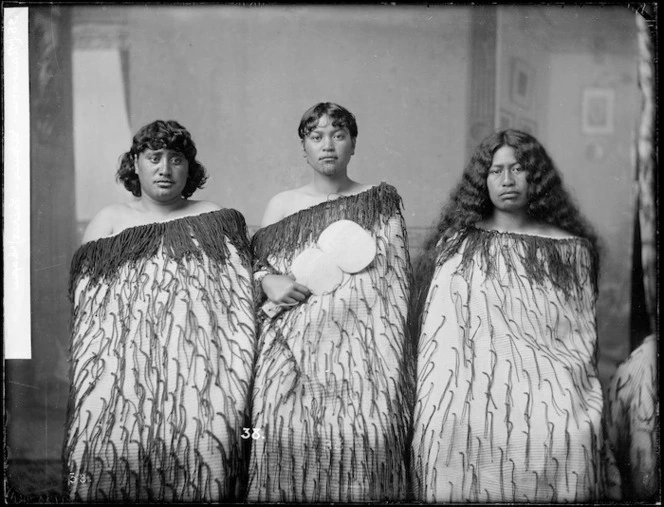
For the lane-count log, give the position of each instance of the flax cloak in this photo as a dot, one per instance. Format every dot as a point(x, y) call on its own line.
point(509, 402)
point(328, 401)
point(163, 334)
point(632, 421)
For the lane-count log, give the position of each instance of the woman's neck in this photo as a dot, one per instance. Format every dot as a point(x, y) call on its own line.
point(327, 186)
point(509, 222)
point(160, 209)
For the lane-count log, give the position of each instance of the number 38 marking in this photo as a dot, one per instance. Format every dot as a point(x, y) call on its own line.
point(82, 478)
point(254, 433)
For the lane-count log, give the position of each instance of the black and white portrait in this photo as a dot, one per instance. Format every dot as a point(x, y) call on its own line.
point(141, 363)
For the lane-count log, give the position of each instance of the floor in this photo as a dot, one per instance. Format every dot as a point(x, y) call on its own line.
point(34, 433)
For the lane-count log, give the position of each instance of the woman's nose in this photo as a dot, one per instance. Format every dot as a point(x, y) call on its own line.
point(164, 167)
point(508, 178)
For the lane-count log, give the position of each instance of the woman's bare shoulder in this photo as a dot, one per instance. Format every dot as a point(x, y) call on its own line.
point(363, 187)
point(106, 221)
point(198, 207)
point(283, 204)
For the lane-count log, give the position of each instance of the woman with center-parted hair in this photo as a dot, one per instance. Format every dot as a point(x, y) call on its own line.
point(163, 332)
point(509, 403)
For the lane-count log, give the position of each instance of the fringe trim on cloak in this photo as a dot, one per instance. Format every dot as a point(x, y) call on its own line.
point(369, 208)
point(186, 237)
point(541, 257)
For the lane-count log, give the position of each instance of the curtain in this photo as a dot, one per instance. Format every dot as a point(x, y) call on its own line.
point(646, 164)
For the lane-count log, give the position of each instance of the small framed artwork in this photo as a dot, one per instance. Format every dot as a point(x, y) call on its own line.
point(522, 78)
point(505, 120)
point(528, 126)
point(597, 111)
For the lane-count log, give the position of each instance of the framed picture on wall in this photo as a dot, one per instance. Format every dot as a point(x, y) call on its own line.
point(522, 78)
point(597, 111)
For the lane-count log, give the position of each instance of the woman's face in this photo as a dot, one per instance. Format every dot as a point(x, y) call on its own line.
point(507, 182)
point(328, 148)
point(163, 174)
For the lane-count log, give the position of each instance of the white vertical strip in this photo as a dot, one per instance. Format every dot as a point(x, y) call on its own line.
point(16, 196)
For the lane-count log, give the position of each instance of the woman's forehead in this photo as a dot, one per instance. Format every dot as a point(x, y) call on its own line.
point(157, 149)
point(326, 121)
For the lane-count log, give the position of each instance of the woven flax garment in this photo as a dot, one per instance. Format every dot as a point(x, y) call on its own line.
point(328, 396)
point(163, 332)
point(509, 403)
point(632, 420)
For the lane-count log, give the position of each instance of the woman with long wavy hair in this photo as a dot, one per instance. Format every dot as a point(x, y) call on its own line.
point(508, 405)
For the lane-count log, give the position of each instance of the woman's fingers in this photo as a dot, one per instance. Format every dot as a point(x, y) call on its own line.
point(283, 289)
point(298, 296)
point(302, 289)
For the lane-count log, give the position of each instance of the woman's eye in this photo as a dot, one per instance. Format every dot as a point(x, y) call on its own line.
point(176, 160)
point(517, 169)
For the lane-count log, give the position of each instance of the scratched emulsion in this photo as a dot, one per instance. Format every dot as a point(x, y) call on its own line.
point(163, 332)
point(328, 396)
point(509, 404)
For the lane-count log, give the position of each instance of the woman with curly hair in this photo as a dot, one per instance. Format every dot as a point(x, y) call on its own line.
point(161, 171)
point(509, 403)
point(163, 332)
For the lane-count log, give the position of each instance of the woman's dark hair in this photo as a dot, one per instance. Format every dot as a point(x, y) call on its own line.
point(469, 203)
point(340, 116)
point(548, 201)
point(156, 136)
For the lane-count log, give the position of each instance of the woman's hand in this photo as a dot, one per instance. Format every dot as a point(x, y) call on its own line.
point(283, 289)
